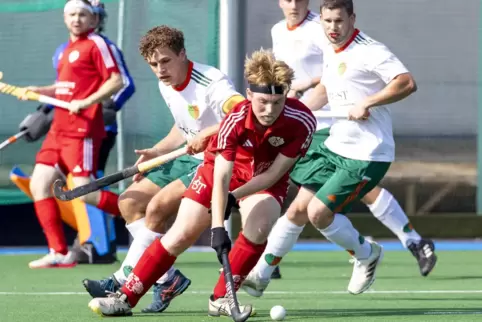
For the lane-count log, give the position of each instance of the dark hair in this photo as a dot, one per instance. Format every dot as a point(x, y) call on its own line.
point(338, 4)
point(161, 36)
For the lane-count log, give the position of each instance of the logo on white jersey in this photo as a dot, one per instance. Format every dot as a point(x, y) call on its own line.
point(193, 111)
point(73, 56)
point(341, 68)
point(197, 185)
point(276, 141)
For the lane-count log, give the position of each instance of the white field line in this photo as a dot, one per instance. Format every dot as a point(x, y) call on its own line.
point(276, 292)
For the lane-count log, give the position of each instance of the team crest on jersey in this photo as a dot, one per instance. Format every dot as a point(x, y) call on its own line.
point(341, 68)
point(276, 141)
point(73, 56)
point(193, 111)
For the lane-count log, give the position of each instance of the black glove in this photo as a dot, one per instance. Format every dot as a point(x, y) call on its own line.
point(232, 203)
point(220, 242)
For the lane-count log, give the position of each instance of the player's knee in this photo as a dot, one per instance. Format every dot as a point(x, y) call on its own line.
point(297, 213)
point(371, 196)
point(156, 217)
point(260, 220)
point(177, 242)
point(258, 232)
point(130, 208)
point(39, 189)
point(319, 214)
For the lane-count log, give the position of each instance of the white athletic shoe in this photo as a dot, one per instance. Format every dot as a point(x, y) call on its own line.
point(254, 285)
point(113, 305)
point(54, 260)
point(364, 270)
point(220, 307)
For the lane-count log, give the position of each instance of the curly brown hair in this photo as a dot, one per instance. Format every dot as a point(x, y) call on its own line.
point(161, 36)
point(262, 69)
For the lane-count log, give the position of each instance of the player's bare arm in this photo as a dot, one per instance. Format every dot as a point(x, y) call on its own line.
point(169, 143)
point(199, 143)
point(48, 90)
point(273, 174)
point(318, 97)
point(223, 171)
point(300, 87)
point(109, 88)
point(400, 87)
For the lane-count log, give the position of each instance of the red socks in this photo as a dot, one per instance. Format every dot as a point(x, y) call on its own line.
point(48, 215)
point(108, 203)
point(243, 257)
point(151, 266)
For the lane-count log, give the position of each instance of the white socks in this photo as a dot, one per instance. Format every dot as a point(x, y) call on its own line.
point(388, 211)
point(134, 227)
point(281, 240)
point(342, 233)
point(143, 237)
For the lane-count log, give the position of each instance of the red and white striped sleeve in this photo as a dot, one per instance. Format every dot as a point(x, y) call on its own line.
point(102, 56)
point(230, 131)
point(304, 125)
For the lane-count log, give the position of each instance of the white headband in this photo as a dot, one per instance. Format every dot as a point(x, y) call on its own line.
point(77, 4)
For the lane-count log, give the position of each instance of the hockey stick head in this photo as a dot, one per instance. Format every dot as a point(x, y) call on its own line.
point(242, 316)
point(236, 314)
point(60, 191)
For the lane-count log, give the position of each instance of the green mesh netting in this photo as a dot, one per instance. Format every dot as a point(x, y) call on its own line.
point(31, 30)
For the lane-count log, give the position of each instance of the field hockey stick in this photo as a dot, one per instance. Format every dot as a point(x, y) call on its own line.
point(236, 314)
point(19, 92)
point(65, 195)
point(12, 139)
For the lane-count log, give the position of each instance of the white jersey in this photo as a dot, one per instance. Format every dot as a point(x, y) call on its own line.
point(362, 68)
point(301, 47)
point(201, 101)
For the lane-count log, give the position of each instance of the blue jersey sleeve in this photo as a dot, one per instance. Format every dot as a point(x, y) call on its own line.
point(128, 90)
point(55, 61)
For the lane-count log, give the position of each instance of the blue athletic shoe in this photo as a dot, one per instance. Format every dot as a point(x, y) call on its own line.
point(164, 293)
point(101, 288)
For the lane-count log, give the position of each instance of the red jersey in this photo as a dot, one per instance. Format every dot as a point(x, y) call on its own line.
point(290, 135)
point(85, 65)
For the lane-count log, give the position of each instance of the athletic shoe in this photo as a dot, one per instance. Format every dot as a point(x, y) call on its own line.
point(364, 270)
point(424, 252)
point(54, 260)
point(101, 288)
point(253, 285)
point(165, 293)
point(114, 305)
point(220, 307)
point(276, 275)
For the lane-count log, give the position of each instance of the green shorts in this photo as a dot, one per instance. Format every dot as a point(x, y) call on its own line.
point(301, 172)
point(183, 168)
point(338, 181)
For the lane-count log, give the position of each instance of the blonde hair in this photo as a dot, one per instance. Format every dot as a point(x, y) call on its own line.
point(263, 69)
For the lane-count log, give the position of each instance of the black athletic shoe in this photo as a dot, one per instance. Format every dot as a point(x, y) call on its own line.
point(276, 275)
point(424, 252)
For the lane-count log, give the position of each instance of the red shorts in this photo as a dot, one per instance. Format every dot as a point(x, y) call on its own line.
point(201, 187)
point(78, 156)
